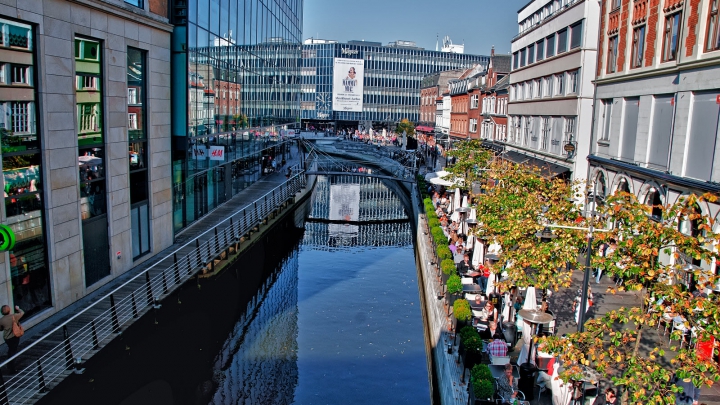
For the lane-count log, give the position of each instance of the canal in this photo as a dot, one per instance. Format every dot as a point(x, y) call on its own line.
point(324, 309)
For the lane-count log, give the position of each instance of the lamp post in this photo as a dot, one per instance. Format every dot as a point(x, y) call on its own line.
point(586, 276)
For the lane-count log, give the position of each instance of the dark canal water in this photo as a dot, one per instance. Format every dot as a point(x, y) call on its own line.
point(324, 314)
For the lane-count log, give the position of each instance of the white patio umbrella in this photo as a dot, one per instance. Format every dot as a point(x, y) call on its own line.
point(478, 254)
point(506, 307)
point(457, 201)
point(560, 391)
point(470, 243)
point(465, 201)
point(440, 181)
point(455, 216)
point(491, 283)
point(530, 303)
point(473, 213)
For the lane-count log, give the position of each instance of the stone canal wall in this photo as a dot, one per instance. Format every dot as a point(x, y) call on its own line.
point(450, 384)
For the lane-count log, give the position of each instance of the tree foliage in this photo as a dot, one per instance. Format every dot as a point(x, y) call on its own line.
point(655, 248)
point(405, 126)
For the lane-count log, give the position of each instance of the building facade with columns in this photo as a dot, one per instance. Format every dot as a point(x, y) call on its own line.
point(84, 88)
point(657, 104)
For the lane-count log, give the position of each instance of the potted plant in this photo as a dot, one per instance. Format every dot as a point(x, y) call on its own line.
point(461, 307)
point(482, 383)
point(448, 268)
point(473, 350)
point(443, 252)
point(454, 286)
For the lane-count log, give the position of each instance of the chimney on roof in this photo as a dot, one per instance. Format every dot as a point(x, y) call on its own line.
point(492, 51)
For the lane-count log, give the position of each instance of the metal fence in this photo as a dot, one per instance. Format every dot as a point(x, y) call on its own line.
point(48, 359)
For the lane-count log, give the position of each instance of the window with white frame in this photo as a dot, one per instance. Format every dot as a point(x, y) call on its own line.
point(569, 131)
point(474, 101)
point(22, 117)
point(132, 121)
point(544, 133)
point(515, 129)
point(612, 54)
point(492, 105)
point(560, 84)
point(88, 117)
point(606, 118)
point(531, 89)
point(132, 95)
point(527, 121)
point(473, 125)
point(573, 84)
point(20, 74)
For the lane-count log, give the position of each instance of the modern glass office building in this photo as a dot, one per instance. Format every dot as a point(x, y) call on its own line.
point(391, 82)
point(235, 87)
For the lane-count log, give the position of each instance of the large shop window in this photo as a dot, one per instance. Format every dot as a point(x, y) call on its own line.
point(137, 152)
point(92, 159)
point(703, 135)
point(629, 132)
point(22, 173)
point(663, 113)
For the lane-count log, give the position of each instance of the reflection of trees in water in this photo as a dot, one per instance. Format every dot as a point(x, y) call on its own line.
point(258, 361)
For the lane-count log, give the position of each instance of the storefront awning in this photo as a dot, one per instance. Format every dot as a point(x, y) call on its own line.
point(547, 169)
point(490, 145)
point(423, 128)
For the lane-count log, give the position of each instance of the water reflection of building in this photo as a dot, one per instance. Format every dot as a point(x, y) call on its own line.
point(366, 204)
point(258, 361)
point(376, 201)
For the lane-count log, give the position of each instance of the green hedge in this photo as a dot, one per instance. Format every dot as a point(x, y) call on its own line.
point(482, 381)
point(454, 285)
point(443, 251)
point(433, 222)
point(438, 235)
point(448, 266)
point(461, 309)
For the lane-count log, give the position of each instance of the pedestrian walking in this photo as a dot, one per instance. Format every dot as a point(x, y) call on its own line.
point(11, 334)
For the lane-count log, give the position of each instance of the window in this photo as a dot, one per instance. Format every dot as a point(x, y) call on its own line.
point(562, 41)
point(569, 130)
point(573, 83)
point(702, 136)
point(132, 121)
point(473, 125)
point(548, 86)
point(629, 130)
point(88, 117)
point(136, 3)
point(531, 89)
point(540, 45)
point(606, 116)
point(531, 54)
point(612, 54)
point(86, 82)
point(661, 131)
point(20, 74)
point(615, 4)
point(638, 47)
point(516, 129)
point(544, 133)
point(474, 101)
point(522, 57)
point(516, 61)
point(526, 130)
point(712, 42)
point(670, 37)
point(22, 117)
point(576, 35)
point(560, 81)
point(550, 46)
point(536, 84)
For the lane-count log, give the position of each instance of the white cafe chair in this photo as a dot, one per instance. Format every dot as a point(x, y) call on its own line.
point(466, 280)
point(470, 296)
point(500, 360)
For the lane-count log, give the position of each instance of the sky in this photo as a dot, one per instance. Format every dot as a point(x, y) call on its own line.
point(479, 24)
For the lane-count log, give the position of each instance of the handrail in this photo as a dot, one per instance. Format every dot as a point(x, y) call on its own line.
point(35, 378)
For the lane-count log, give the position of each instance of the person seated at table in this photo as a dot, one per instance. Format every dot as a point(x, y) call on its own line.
point(496, 347)
point(610, 398)
point(492, 332)
point(484, 270)
point(459, 252)
point(507, 385)
point(489, 313)
point(465, 266)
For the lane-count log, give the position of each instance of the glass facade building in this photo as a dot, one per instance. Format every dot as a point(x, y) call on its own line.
point(235, 89)
point(392, 78)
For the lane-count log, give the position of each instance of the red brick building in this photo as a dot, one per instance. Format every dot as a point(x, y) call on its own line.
point(493, 99)
point(227, 103)
point(431, 89)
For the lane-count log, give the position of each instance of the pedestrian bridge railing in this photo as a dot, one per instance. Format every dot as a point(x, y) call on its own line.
point(44, 362)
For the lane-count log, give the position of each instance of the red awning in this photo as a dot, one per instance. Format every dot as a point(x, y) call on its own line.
point(423, 128)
